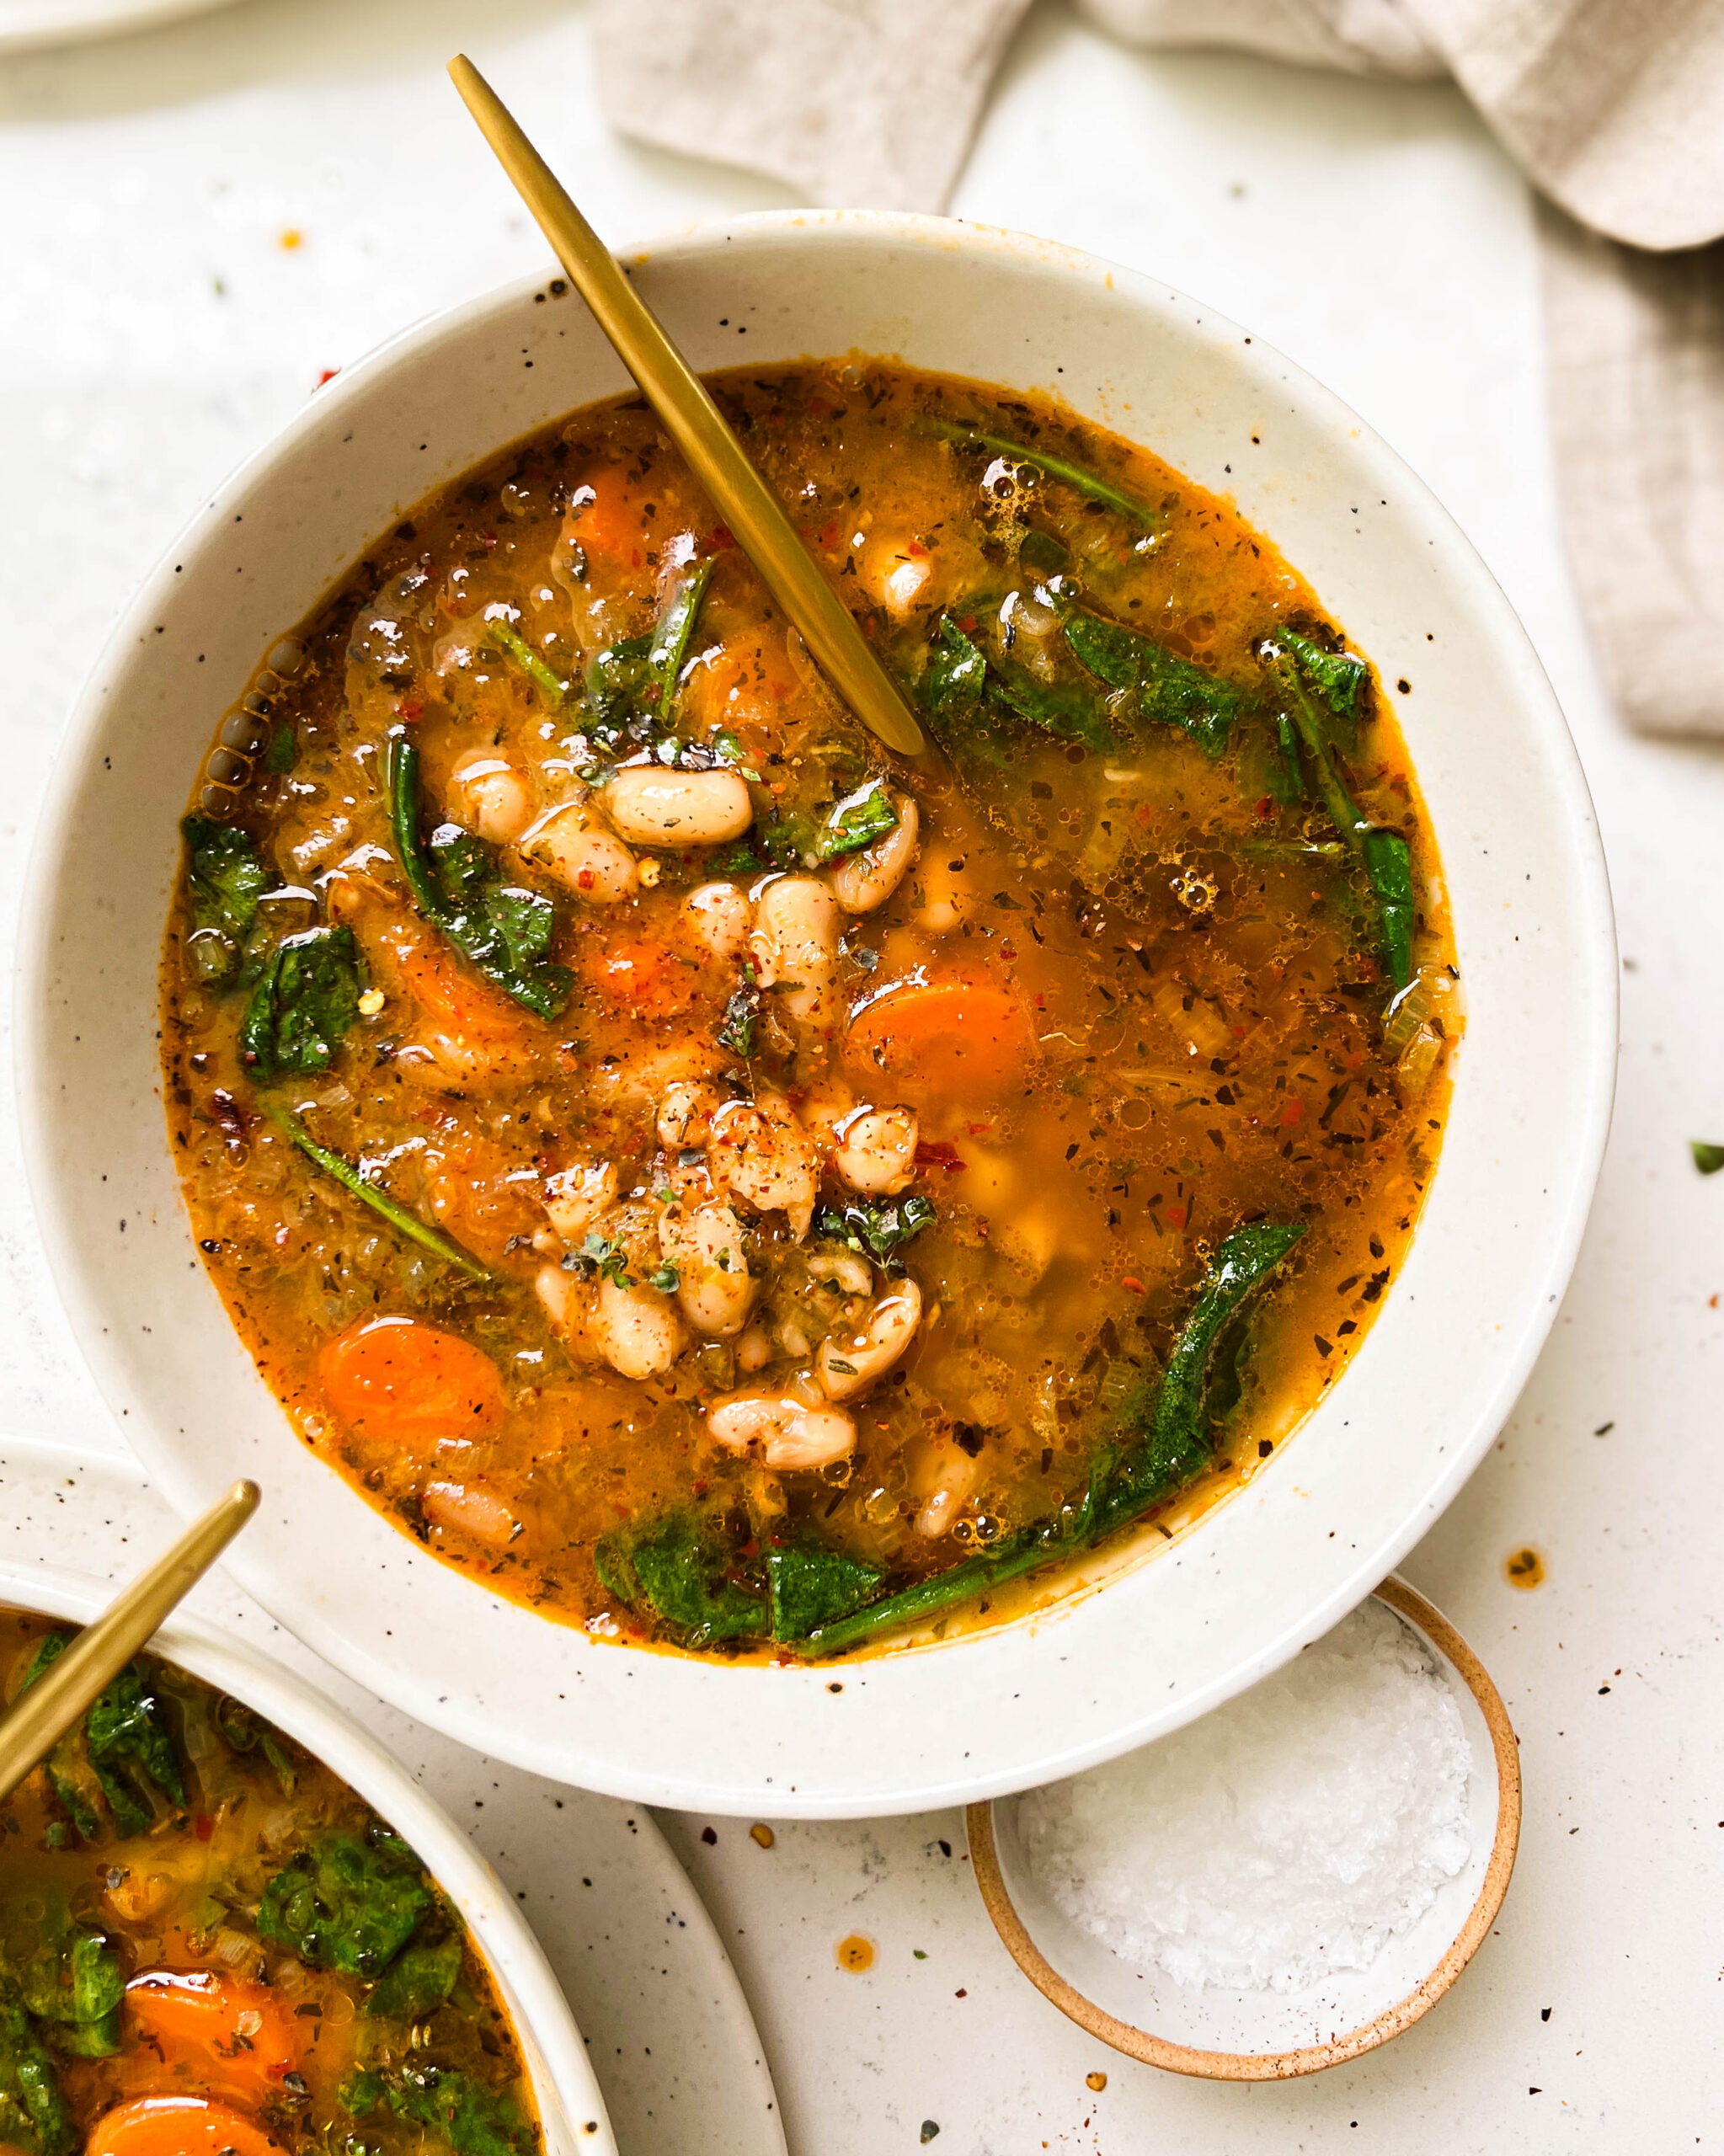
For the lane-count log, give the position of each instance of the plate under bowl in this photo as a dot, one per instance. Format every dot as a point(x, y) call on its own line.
point(1152, 1642)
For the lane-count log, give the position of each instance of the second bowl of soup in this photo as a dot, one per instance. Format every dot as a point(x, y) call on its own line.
point(725, 1201)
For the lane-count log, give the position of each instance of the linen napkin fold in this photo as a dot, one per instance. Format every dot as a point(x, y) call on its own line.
point(1614, 111)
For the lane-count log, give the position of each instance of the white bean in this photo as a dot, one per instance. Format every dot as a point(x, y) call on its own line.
point(759, 1153)
point(790, 1435)
point(656, 806)
point(456, 1506)
point(847, 1363)
point(683, 1114)
point(575, 1197)
point(755, 1350)
point(863, 881)
point(795, 940)
point(489, 793)
point(714, 1287)
point(955, 1479)
point(720, 917)
point(636, 1329)
point(579, 852)
point(876, 1151)
point(566, 1301)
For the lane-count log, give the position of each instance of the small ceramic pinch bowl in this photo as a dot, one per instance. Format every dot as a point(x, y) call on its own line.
point(566, 2096)
point(1264, 2035)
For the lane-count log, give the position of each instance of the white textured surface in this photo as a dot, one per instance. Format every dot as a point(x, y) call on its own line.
point(1372, 233)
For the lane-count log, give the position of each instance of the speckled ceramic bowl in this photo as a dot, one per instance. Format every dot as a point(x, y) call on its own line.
point(1148, 1635)
point(571, 2109)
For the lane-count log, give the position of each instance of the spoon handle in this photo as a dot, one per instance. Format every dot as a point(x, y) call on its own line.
point(54, 1703)
point(749, 508)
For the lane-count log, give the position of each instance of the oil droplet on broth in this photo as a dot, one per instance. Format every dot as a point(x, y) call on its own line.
point(1524, 1569)
point(856, 1953)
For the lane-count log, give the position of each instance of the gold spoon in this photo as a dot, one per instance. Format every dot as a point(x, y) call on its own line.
point(698, 428)
point(54, 1703)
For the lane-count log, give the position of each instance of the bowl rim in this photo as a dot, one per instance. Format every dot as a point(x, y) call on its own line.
point(552, 2049)
point(1472, 588)
point(1307, 2059)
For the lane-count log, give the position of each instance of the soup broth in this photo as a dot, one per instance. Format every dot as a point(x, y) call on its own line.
point(738, 1190)
point(209, 1944)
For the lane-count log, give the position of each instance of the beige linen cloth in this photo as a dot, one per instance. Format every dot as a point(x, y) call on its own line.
point(1614, 110)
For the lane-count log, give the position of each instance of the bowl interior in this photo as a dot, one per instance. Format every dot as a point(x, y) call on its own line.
point(571, 2109)
point(1332, 1511)
point(1262, 2024)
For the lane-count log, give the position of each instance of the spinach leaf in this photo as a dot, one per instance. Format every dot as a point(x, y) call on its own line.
point(305, 998)
point(502, 931)
point(350, 1179)
point(455, 2108)
point(963, 435)
point(131, 1746)
point(975, 704)
point(347, 1905)
point(677, 1566)
point(670, 639)
point(1337, 676)
point(1175, 1446)
point(78, 1989)
point(1164, 687)
point(857, 821)
point(621, 696)
point(1707, 1158)
point(67, 1765)
point(810, 1586)
point(33, 2116)
point(1385, 855)
point(1155, 1440)
point(225, 877)
point(502, 632)
point(417, 1982)
point(876, 1228)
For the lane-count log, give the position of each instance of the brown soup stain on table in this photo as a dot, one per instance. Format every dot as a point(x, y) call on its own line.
point(781, 1197)
point(856, 1953)
point(1524, 1568)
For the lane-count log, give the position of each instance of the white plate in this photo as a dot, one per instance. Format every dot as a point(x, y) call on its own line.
point(668, 2031)
point(28, 25)
point(1332, 1513)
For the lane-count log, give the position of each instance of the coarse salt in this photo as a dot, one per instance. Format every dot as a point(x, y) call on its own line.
point(1284, 1837)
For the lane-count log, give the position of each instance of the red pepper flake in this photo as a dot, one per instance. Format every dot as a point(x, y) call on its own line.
point(722, 538)
point(206, 1826)
point(1291, 1113)
point(1136, 1286)
point(827, 538)
point(584, 880)
point(935, 1153)
point(918, 553)
point(327, 375)
point(709, 1836)
point(1008, 950)
point(1264, 809)
point(410, 708)
point(1177, 1216)
point(978, 1129)
point(966, 623)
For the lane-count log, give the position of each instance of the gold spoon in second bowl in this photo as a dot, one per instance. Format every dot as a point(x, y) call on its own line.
point(700, 430)
point(66, 1688)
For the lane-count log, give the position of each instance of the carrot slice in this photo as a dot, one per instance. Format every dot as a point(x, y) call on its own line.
point(393, 1377)
point(643, 977)
point(178, 2126)
point(968, 1040)
point(605, 517)
point(224, 2032)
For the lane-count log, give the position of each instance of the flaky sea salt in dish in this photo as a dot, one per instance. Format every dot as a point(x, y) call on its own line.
point(1284, 1837)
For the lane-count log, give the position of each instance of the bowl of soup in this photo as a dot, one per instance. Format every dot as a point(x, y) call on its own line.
point(762, 1272)
point(232, 1923)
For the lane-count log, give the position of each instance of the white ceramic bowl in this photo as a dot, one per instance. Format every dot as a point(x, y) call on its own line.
point(1275, 1566)
point(571, 2109)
